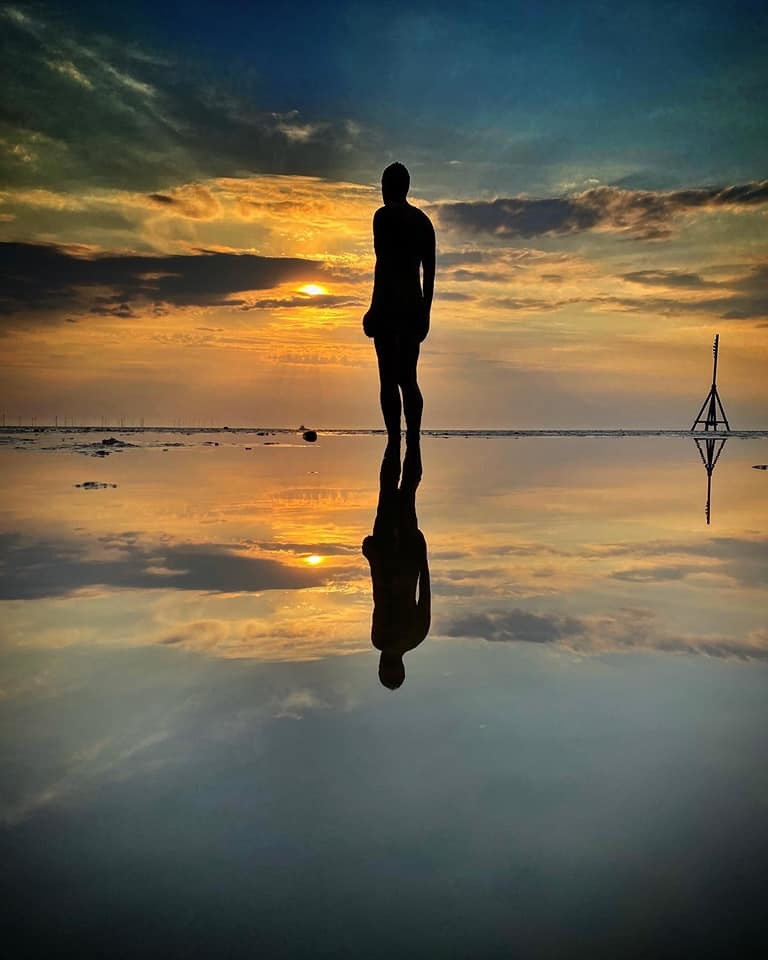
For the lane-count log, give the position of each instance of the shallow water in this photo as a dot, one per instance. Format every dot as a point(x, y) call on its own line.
point(200, 758)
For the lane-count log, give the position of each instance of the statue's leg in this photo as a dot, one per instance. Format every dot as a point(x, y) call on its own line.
point(413, 401)
point(389, 395)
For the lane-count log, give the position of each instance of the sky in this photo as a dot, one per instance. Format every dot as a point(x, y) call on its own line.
point(186, 194)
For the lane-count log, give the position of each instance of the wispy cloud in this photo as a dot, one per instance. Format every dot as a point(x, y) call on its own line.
point(67, 69)
point(336, 631)
point(668, 278)
point(741, 560)
point(744, 297)
point(325, 301)
point(193, 201)
point(130, 119)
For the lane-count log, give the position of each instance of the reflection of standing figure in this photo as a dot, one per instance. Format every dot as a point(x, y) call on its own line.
point(398, 318)
point(397, 553)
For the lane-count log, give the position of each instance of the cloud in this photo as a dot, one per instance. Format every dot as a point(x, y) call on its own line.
point(281, 636)
point(327, 301)
point(482, 276)
point(662, 292)
point(622, 630)
point(269, 215)
point(104, 741)
point(322, 547)
point(742, 298)
point(744, 561)
point(660, 572)
point(193, 201)
point(541, 281)
point(448, 295)
point(45, 276)
point(643, 214)
point(668, 278)
point(516, 624)
point(536, 304)
point(751, 299)
point(34, 569)
point(88, 109)
point(460, 257)
point(67, 69)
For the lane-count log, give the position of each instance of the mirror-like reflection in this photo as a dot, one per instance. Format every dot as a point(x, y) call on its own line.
point(709, 449)
point(397, 553)
point(197, 744)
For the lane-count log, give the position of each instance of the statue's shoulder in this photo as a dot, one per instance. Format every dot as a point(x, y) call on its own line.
point(422, 218)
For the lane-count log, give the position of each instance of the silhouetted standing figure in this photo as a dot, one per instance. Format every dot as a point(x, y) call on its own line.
point(397, 553)
point(398, 318)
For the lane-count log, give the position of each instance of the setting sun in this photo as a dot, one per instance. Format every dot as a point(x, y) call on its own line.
point(313, 560)
point(312, 289)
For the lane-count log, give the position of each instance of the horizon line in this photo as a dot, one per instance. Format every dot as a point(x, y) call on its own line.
point(426, 431)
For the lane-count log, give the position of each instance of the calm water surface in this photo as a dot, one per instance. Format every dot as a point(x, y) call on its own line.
point(200, 759)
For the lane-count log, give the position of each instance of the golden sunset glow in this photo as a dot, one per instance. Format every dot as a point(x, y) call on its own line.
point(221, 276)
point(535, 332)
point(517, 705)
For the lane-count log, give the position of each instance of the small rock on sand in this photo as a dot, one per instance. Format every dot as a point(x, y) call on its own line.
point(114, 442)
point(760, 466)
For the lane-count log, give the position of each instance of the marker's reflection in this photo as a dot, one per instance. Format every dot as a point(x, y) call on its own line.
point(397, 553)
point(709, 449)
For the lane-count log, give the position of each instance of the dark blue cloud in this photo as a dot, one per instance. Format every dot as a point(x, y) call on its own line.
point(46, 277)
point(643, 214)
point(515, 624)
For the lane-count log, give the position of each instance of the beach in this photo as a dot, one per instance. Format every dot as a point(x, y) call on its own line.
point(191, 699)
point(383, 481)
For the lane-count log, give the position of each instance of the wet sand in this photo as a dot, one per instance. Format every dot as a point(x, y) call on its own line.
point(200, 754)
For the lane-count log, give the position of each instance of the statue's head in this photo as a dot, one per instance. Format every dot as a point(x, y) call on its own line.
point(391, 669)
point(395, 182)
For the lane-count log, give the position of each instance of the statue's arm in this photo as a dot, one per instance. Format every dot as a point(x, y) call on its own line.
point(428, 267)
point(424, 603)
point(378, 229)
point(369, 324)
